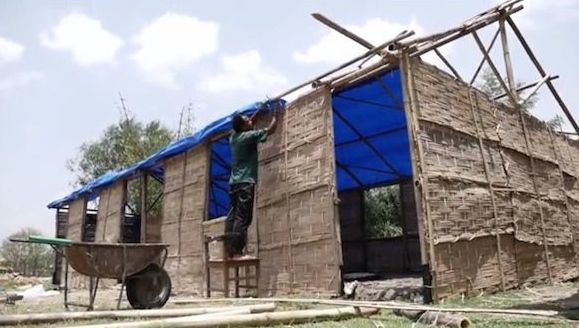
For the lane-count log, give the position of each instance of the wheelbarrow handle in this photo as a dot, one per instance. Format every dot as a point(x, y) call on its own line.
point(43, 240)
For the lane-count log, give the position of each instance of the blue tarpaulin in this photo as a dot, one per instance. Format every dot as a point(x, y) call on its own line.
point(371, 139)
point(371, 143)
point(154, 161)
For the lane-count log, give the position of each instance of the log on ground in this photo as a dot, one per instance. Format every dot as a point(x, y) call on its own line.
point(437, 318)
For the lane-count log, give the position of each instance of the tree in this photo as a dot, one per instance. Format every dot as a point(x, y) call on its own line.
point(383, 212)
point(491, 85)
point(121, 145)
point(27, 258)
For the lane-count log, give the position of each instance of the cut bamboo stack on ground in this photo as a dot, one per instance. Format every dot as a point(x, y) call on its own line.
point(234, 318)
point(36, 318)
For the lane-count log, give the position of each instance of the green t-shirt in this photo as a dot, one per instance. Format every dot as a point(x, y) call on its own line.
point(244, 155)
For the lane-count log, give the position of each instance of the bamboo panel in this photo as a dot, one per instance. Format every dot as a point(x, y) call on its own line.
point(548, 179)
point(153, 228)
point(471, 266)
point(454, 154)
point(528, 222)
point(110, 213)
point(76, 214)
point(462, 207)
point(184, 199)
point(459, 197)
point(541, 147)
point(531, 264)
point(295, 207)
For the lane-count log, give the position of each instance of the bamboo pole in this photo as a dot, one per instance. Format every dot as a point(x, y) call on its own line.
point(36, 318)
point(245, 320)
point(522, 102)
point(515, 98)
point(144, 181)
point(375, 50)
point(335, 26)
point(494, 68)
point(542, 72)
point(380, 67)
point(447, 63)
point(490, 186)
point(412, 108)
point(387, 305)
point(488, 50)
point(525, 87)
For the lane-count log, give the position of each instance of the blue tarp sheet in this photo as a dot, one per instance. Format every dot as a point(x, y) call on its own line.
point(371, 144)
point(152, 162)
point(371, 141)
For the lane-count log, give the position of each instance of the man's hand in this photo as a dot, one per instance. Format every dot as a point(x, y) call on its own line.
point(272, 126)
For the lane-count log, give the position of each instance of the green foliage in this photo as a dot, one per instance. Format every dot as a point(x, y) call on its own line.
point(490, 84)
point(27, 258)
point(556, 123)
point(121, 145)
point(383, 212)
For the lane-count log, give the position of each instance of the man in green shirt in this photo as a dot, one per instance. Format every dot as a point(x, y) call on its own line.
point(243, 142)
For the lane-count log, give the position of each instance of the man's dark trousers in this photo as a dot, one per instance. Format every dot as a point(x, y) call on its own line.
point(239, 218)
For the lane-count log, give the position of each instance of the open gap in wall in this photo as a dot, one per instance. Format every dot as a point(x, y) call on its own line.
point(220, 169)
point(90, 221)
point(377, 210)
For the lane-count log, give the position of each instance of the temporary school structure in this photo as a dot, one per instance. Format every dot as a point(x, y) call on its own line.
point(489, 193)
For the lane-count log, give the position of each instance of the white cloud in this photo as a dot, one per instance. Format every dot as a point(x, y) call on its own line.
point(334, 48)
point(173, 42)
point(85, 38)
point(244, 72)
point(537, 10)
point(10, 51)
point(19, 80)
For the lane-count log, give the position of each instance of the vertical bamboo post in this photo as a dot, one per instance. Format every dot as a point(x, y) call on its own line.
point(543, 73)
point(421, 191)
point(205, 246)
point(144, 181)
point(333, 186)
point(515, 98)
point(180, 217)
point(490, 184)
point(287, 199)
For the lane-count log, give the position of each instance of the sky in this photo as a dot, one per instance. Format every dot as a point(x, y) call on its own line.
point(64, 63)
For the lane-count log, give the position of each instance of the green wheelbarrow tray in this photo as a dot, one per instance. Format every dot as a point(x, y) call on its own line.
point(138, 265)
point(105, 260)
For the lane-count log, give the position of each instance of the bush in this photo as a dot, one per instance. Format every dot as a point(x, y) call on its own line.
point(383, 212)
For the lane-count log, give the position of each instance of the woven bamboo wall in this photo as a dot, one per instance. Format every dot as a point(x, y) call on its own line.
point(110, 213)
point(298, 236)
point(184, 203)
point(76, 214)
point(535, 229)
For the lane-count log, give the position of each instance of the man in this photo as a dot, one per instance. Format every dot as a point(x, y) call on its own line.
point(243, 143)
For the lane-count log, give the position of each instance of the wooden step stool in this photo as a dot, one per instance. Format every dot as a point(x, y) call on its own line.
point(226, 265)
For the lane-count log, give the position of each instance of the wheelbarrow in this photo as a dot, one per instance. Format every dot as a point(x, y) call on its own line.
point(139, 268)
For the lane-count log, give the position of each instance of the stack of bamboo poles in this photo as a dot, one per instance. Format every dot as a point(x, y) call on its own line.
point(261, 312)
point(247, 315)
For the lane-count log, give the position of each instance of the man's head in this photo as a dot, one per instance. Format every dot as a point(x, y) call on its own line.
point(241, 123)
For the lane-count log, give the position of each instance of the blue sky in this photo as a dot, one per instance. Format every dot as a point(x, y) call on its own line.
point(63, 63)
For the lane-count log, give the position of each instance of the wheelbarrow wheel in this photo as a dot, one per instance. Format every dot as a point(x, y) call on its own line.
point(149, 289)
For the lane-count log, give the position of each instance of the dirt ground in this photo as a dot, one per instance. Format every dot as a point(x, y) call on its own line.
point(561, 297)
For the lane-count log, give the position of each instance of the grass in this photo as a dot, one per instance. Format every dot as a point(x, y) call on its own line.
point(510, 299)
